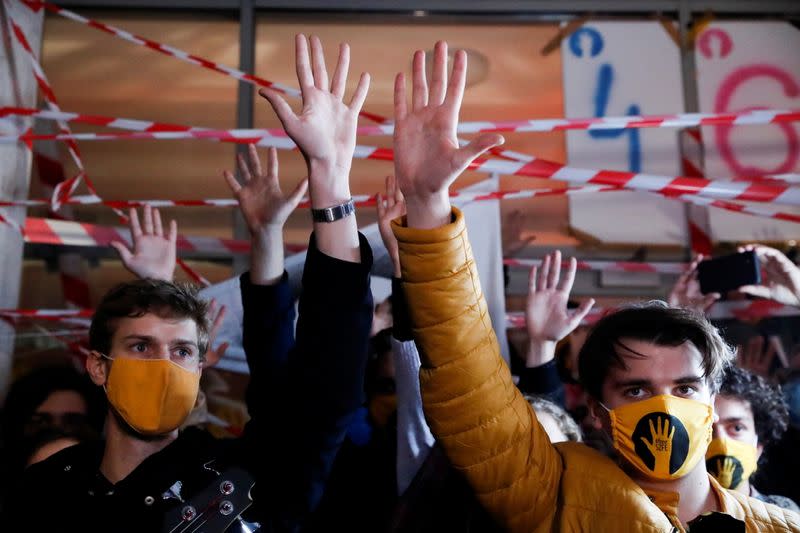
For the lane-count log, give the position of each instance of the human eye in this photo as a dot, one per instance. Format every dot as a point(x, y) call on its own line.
point(634, 392)
point(139, 347)
point(686, 390)
point(184, 352)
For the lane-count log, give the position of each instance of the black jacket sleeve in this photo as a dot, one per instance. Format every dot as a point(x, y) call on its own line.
point(316, 389)
point(267, 338)
point(543, 381)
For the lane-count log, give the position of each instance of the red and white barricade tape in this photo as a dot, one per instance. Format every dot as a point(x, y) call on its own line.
point(745, 310)
point(610, 266)
point(759, 116)
point(66, 187)
point(72, 267)
point(693, 163)
point(672, 186)
point(742, 310)
point(46, 314)
point(68, 233)
point(359, 200)
point(175, 52)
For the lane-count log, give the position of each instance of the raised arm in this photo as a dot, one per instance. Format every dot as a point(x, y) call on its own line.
point(486, 426)
point(326, 368)
point(266, 296)
point(325, 133)
point(548, 321)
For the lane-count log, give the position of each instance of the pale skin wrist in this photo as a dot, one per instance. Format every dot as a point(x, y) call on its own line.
point(540, 352)
point(266, 256)
point(429, 212)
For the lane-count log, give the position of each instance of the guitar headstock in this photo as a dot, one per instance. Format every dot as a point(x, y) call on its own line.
point(214, 508)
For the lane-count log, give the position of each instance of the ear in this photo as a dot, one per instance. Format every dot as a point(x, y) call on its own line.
point(596, 412)
point(97, 367)
point(760, 449)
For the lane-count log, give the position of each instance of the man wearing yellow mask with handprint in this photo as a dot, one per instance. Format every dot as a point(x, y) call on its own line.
point(651, 372)
point(752, 415)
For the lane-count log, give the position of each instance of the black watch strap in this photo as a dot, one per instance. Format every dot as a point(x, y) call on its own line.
point(334, 213)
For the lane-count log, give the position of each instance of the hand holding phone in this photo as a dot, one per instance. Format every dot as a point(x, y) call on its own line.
point(781, 281)
point(729, 272)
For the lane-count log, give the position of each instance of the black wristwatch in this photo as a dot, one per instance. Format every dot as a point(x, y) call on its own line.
point(334, 213)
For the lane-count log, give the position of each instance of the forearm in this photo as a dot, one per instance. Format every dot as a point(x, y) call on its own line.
point(329, 186)
point(539, 352)
point(266, 256)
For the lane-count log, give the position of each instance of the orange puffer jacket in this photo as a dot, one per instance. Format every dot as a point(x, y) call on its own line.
point(490, 432)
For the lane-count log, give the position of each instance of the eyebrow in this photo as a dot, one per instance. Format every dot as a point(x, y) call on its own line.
point(685, 380)
point(148, 338)
point(730, 419)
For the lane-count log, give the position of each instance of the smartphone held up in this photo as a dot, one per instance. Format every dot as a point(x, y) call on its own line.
point(729, 272)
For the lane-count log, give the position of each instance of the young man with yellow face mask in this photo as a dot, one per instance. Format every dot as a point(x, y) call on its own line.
point(148, 340)
point(652, 372)
point(752, 415)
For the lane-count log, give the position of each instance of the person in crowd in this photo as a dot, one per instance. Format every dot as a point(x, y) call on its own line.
point(48, 442)
point(433, 495)
point(46, 402)
point(148, 339)
point(153, 255)
point(752, 416)
point(651, 372)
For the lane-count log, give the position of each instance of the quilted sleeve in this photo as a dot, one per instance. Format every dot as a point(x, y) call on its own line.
point(488, 430)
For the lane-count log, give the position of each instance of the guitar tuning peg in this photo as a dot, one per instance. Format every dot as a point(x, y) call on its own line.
point(226, 508)
point(226, 487)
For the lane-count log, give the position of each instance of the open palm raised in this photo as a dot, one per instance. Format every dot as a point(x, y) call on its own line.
point(427, 155)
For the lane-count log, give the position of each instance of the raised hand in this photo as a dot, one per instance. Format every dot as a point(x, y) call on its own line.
point(686, 291)
point(546, 315)
point(427, 155)
point(154, 254)
point(781, 277)
point(752, 356)
point(265, 209)
point(661, 445)
point(390, 206)
point(325, 128)
point(217, 315)
point(325, 133)
point(261, 200)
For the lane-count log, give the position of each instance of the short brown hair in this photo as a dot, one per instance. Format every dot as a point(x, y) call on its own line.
point(137, 298)
point(659, 324)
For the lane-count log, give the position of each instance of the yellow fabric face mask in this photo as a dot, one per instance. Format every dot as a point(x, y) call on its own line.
point(664, 437)
point(731, 461)
point(154, 396)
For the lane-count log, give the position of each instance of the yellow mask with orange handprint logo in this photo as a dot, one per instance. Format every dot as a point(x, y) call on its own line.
point(731, 461)
point(664, 437)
